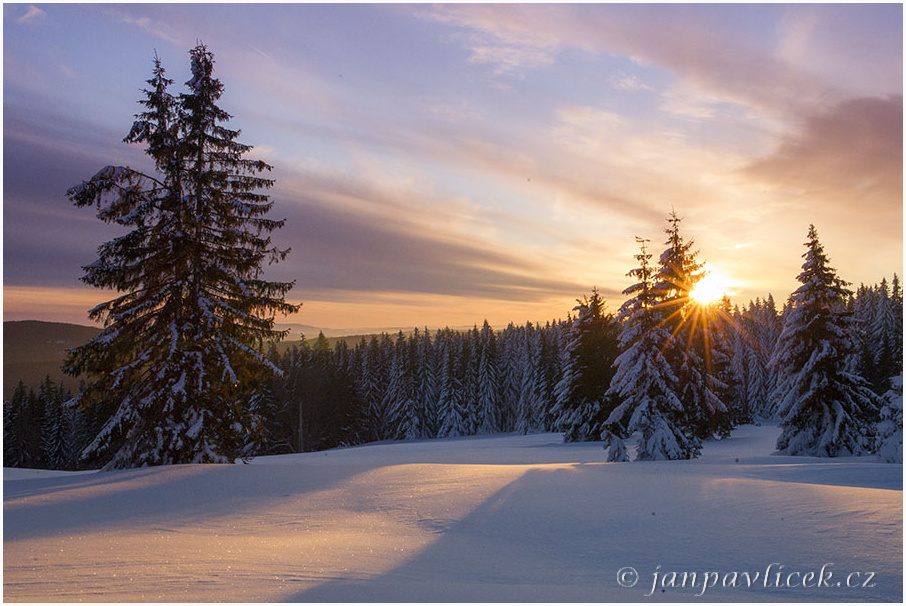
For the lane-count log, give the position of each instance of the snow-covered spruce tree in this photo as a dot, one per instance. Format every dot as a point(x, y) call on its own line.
point(590, 351)
point(452, 409)
point(488, 386)
point(374, 381)
point(688, 352)
point(720, 330)
point(530, 407)
point(427, 379)
point(644, 386)
point(178, 348)
point(759, 329)
point(882, 359)
point(58, 427)
point(470, 363)
point(890, 426)
point(896, 300)
point(401, 394)
point(23, 418)
point(510, 347)
point(826, 409)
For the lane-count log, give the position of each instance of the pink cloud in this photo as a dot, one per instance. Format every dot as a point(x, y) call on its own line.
point(852, 153)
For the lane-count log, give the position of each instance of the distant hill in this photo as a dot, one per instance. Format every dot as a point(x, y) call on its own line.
point(32, 350)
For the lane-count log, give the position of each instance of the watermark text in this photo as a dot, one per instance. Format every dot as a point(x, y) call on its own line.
point(775, 575)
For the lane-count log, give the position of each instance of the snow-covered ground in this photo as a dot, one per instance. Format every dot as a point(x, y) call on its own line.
point(503, 518)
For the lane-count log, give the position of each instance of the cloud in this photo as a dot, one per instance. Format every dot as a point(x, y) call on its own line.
point(46, 238)
point(627, 82)
point(859, 49)
point(407, 181)
point(852, 153)
point(509, 58)
point(363, 233)
point(162, 29)
point(351, 234)
point(512, 46)
point(842, 170)
point(32, 15)
point(708, 53)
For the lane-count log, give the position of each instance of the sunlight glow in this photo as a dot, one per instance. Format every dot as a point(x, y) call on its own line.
point(710, 288)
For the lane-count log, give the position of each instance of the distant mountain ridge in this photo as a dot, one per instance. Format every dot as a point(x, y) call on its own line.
point(32, 350)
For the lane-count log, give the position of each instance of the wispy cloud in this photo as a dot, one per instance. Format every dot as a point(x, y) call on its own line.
point(510, 45)
point(710, 56)
point(32, 16)
point(162, 29)
point(627, 82)
point(859, 51)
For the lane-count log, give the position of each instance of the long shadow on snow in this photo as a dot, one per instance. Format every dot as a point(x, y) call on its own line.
point(562, 535)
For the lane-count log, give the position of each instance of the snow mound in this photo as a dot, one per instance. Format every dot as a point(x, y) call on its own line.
point(501, 518)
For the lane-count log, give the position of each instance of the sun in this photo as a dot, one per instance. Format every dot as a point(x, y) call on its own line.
point(712, 287)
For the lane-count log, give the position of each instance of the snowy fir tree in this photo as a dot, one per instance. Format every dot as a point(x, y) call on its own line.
point(55, 426)
point(178, 350)
point(580, 408)
point(719, 332)
point(826, 408)
point(401, 394)
point(374, 382)
point(880, 319)
point(40, 430)
point(757, 329)
point(453, 409)
point(488, 378)
point(23, 419)
point(688, 350)
point(890, 427)
point(677, 274)
point(427, 384)
point(645, 387)
point(510, 348)
point(530, 406)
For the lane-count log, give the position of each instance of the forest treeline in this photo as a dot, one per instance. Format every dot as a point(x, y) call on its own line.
point(432, 384)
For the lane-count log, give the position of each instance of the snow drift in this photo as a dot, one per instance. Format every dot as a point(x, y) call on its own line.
point(503, 518)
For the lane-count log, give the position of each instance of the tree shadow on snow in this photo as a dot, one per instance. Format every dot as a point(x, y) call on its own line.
point(562, 535)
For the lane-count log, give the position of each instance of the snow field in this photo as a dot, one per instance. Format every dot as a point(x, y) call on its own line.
point(502, 518)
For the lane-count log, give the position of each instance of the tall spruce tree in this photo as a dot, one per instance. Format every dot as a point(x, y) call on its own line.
point(452, 408)
point(428, 389)
point(826, 408)
point(688, 351)
point(178, 348)
point(645, 387)
point(488, 387)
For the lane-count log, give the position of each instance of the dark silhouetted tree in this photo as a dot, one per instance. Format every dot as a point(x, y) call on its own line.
point(591, 347)
point(179, 351)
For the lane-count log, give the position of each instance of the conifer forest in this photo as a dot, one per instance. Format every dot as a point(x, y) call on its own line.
point(551, 376)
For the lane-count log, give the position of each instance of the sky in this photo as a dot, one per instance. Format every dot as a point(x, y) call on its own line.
point(442, 165)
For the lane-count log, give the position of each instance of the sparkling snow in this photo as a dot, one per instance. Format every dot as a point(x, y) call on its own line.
point(500, 518)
